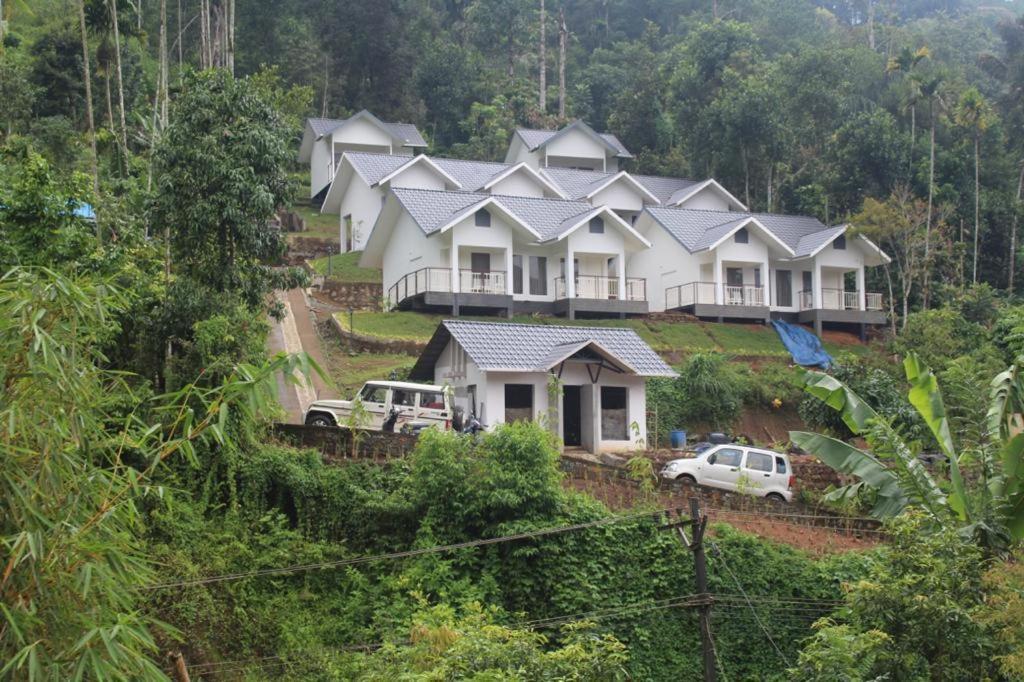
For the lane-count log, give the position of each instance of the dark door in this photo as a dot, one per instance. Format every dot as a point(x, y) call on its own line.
point(734, 277)
point(572, 418)
point(783, 288)
point(480, 262)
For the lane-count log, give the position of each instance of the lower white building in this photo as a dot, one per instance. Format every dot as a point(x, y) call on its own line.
point(589, 383)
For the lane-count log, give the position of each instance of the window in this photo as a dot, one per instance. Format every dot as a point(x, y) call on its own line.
point(758, 461)
point(742, 236)
point(726, 458)
point(518, 402)
point(808, 280)
point(780, 464)
point(597, 225)
point(614, 413)
point(783, 288)
point(538, 276)
point(482, 218)
point(431, 400)
point(373, 394)
point(757, 277)
point(517, 274)
point(839, 243)
point(402, 398)
point(734, 277)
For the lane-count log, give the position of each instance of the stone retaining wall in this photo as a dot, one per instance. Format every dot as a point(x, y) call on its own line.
point(336, 444)
point(354, 295)
point(372, 344)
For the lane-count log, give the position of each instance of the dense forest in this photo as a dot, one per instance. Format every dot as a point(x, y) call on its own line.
point(154, 528)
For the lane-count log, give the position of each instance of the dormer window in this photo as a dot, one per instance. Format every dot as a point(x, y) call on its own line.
point(597, 225)
point(742, 236)
point(482, 218)
point(839, 243)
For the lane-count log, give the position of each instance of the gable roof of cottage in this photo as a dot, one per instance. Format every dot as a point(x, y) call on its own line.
point(406, 133)
point(535, 139)
point(546, 218)
point(698, 229)
point(513, 347)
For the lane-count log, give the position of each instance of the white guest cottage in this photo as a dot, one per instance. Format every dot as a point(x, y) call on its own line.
point(504, 372)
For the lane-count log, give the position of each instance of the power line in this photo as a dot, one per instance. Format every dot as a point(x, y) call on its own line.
point(408, 553)
point(725, 564)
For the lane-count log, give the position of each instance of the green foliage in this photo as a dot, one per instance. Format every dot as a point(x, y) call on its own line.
point(344, 267)
point(711, 389)
point(938, 336)
point(915, 615)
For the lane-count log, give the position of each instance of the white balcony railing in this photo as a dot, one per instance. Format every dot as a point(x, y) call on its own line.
point(603, 288)
point(486, 282)
point(838, 299)
point(743, 295)
point(873, 301)
point(703, 293)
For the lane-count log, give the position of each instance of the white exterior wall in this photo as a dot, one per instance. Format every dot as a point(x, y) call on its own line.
point(409, 250)
point(418, 176)
point(707, 199)
point(362, 132)
point(575, 147)
point(666, 264)
point(490, 390)
point(618, 196)
point(518, 184)
point(517, 152)
point(363, 203)
point(320, 166)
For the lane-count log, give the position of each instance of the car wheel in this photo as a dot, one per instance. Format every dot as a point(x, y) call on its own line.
point(319, 419)
point(776, 498)
point(687, 478)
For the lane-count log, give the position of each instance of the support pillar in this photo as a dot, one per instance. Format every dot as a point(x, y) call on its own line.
point(861, 294)
point(716, 277)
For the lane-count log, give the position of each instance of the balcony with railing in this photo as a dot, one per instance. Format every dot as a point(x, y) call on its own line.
point(694, 294)
point(840, 299)
point(439, 281)
point(603, 288)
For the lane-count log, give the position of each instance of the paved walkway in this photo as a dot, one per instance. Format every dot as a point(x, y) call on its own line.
point(296, 333)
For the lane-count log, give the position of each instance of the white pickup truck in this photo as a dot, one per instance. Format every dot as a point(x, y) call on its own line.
point(422, 404)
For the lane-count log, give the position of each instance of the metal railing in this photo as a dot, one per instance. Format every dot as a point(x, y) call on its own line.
point(603, 288)
point(693, 293)
point(487, 282)
point(840, 299)
point(439, 280)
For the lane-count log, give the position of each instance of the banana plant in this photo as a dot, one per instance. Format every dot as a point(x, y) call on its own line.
point(992, 513)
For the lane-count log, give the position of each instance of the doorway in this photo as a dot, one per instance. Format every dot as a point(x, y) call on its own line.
point(572, 418)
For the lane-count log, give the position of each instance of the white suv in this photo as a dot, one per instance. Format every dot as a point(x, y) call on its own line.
point(762, 473)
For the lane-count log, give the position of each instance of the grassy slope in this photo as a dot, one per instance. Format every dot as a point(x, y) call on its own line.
point(665, 337)
point(344, 267)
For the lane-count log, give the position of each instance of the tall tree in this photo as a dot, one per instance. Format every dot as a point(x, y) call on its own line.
point(931, 89)
point(563, 36)
point(90, 123)
point(120, 77)
point(542, 100)
point(905, 63)
point(974, 113)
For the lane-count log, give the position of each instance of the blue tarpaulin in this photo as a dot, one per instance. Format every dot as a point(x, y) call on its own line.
point(84, 210)
point(804, 346)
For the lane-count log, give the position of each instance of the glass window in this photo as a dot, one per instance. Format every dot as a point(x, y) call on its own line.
point(758, 461)
point(839, 242)
point(482, 218)
point(727, 457)
point(783, 288)
point(403, 398)
point(373, 394)
point(742, 236)
point(780, 464)
point(538, 276)
point(517, 274)
point(597, 225)
point(480, 262)
point(518, 402)
point(431, 400)
point(614, 413)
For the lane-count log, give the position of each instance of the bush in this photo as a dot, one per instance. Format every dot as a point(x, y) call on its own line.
point(939, 336)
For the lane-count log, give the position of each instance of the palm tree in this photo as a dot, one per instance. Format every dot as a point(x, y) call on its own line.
point(930, 87)
point(974, 113)
point(991, 511)
point(905, 62)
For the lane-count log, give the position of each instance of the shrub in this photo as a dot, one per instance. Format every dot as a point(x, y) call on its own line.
point(939, 336)
point(712, 391)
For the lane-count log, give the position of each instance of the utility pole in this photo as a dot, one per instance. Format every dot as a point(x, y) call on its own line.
point(698, 524)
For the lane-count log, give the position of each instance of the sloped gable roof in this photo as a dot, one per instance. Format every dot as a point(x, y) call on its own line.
point(535, 139)
point(698, 229)
point(512, 347)
point(406, 133)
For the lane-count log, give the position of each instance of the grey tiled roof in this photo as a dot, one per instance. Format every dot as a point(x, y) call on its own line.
point(576, 183)
point(698, 229)
point(374, 167)
point(472, 175)
point(407, 132)
point(664, 187)
point(534, 347)
point(432, 209)
point(536, 138)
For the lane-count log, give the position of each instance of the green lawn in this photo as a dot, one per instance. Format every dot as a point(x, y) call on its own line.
point(686, 337)
point(319, 225)
point(352, 371)
point(344, 267)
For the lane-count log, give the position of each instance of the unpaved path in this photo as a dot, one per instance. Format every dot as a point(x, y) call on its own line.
point(296, 332)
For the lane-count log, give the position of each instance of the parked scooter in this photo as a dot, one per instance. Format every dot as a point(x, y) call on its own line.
point(466, 425)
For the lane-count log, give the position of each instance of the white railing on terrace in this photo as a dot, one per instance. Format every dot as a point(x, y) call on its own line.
point(874, 301)
point(603, 288)
point(838, 299)
point(693, 293)
point(488, 282)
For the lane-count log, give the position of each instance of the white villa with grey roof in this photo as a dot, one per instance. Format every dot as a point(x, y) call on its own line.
point(503, 372)
point(559, 228)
